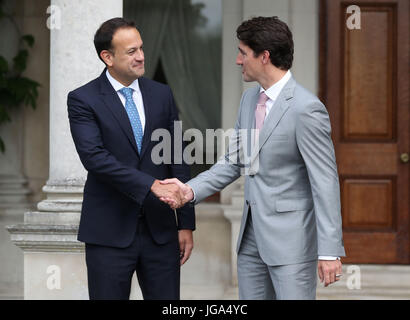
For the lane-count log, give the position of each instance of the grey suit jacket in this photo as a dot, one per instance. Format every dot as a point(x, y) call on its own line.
point(291, 181)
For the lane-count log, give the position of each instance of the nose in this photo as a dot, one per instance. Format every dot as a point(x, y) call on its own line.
point(140, 55)
point(239, 59)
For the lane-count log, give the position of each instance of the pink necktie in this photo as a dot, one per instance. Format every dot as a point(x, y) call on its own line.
point(260, 113)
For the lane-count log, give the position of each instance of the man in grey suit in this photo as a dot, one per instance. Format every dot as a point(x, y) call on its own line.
point(291, 222)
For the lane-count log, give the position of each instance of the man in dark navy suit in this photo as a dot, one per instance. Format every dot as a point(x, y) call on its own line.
point(124, 225)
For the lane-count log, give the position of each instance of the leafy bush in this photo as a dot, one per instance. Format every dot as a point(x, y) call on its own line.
point(15, 89)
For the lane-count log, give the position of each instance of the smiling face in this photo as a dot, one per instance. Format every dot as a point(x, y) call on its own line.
point(251, 65)
point(125, 61)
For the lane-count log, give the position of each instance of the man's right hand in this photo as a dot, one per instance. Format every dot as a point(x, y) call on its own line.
point(186, 191)
point(171, 192)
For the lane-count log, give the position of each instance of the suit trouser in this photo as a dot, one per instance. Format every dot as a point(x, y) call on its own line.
point(110, 270)
point(259, 281)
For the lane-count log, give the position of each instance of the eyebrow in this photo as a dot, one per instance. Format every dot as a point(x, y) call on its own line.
point(134, 48)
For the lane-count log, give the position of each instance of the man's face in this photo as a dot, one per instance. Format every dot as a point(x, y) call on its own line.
point(127, 59)
point(251, 65)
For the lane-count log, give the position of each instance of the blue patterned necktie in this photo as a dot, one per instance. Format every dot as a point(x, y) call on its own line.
point(133, 116)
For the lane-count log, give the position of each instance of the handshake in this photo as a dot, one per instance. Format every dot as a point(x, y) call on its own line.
point(173, 192)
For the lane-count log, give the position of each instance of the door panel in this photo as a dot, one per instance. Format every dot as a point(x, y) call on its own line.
point(365, 86)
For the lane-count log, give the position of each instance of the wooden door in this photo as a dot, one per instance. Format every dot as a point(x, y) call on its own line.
point(365, 86)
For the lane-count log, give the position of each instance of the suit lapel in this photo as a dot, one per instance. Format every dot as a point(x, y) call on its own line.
point(251, 120)
point(147, 99)
point(278, 110)
point(113, 103)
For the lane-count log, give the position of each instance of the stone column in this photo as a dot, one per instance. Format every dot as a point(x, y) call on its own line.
point(233, 213)
point(302, 18)
point(232, 88)
point(13, 183)
point(54, 266)
point(231, 74)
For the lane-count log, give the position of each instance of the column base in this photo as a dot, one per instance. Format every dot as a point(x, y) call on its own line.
point(13, 204)
point(54, 264)
point(54, 228)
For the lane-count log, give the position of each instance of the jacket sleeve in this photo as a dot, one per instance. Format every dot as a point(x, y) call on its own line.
point(97, 159)
point(313, 136)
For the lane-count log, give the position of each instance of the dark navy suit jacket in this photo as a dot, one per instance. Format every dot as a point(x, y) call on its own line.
point(118, 183)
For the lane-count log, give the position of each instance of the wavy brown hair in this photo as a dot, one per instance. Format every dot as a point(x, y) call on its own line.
point(271, 34)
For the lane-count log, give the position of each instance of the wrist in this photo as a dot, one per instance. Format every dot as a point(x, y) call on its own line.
point(190, 195)
point(155, 187)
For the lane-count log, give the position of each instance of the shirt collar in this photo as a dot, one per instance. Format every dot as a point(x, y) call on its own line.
point(118, 86)
point(276, 88)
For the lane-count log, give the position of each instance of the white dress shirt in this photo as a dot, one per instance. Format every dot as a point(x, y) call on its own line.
point(136, 96)
point(274, 90)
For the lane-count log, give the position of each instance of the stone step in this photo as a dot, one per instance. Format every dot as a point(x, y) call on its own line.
point(220, 293)
point(376, 282)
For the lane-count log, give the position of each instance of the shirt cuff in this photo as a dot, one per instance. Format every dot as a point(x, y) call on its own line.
point(328, 258)
point(193, 191)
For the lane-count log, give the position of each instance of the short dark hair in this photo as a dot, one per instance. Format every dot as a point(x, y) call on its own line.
point(271, 34)
point(104, 34)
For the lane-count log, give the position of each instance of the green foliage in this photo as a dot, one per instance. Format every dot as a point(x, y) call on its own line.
point(15, 89)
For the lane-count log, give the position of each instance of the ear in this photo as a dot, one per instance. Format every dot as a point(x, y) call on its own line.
point(265, 57)
point(107, 57)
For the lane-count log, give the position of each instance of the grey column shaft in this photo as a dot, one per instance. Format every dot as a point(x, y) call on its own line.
point(54, 266)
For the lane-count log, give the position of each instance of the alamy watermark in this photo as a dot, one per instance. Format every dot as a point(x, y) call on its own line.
point(240, 146)
point(54, 20)
point(354, 281)
point(354, 20)
point(54, 278)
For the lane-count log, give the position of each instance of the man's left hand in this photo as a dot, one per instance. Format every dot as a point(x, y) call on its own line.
point(328, 269)
point(186, 244)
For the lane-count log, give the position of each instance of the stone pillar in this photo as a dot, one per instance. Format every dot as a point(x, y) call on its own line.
point(54, 266)
point(302, 18)
point(13, 183)
point(233, 213)
point(232, 88)
point(231, 74)
point(304, 23)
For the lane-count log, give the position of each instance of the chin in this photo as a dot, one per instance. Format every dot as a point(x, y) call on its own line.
point(138, 74)
point(245, 77)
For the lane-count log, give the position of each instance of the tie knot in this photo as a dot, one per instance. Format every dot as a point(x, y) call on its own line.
point(126, 92)
point(262, 98)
